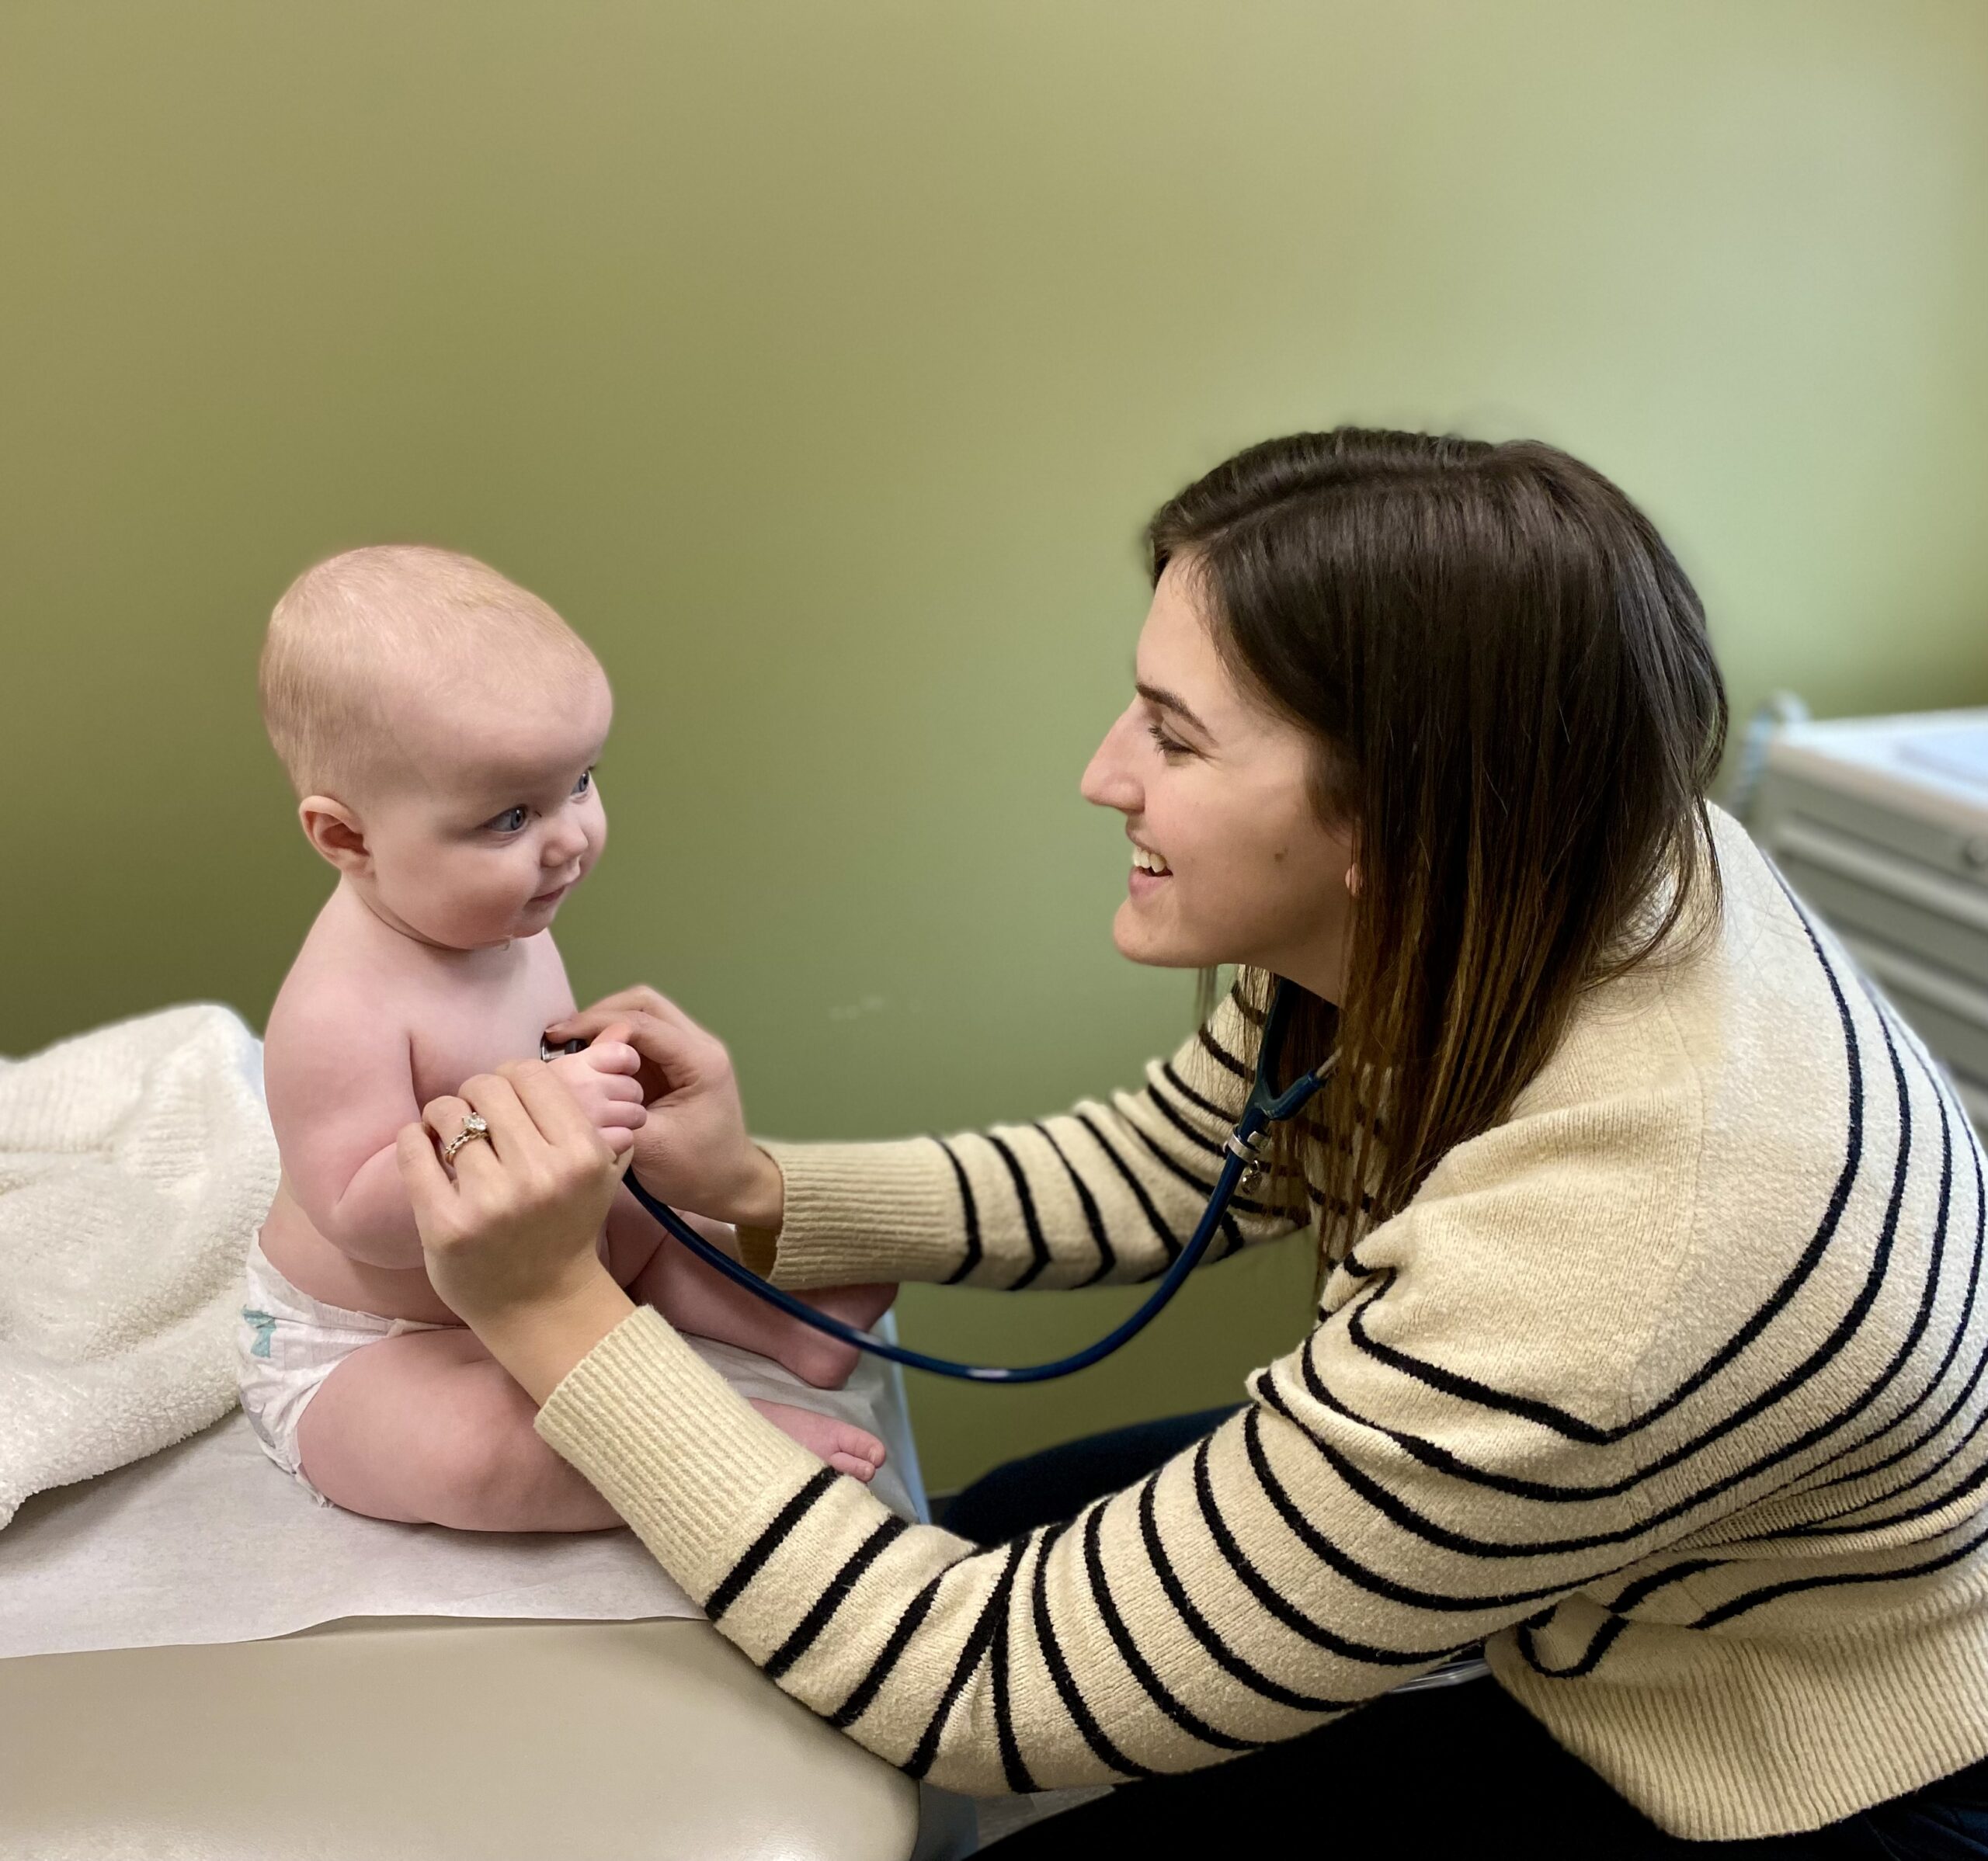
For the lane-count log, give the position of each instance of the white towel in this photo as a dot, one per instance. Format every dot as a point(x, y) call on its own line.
point(136, 1162)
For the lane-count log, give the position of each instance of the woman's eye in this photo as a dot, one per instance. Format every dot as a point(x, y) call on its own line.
point(512, 821)
point(1168, 745)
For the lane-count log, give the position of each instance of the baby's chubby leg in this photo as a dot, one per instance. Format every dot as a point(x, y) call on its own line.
point(643, 1260)
point(428, 1428)
point(695, 1297)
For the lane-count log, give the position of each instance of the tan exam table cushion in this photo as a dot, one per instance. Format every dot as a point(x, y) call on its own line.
point(378, 1741)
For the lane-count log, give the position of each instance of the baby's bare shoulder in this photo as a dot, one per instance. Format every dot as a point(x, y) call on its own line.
point(338, 1011)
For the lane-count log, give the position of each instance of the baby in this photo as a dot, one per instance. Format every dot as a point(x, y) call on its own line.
point(440, 726)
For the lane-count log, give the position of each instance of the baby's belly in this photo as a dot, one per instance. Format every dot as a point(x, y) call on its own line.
point(312, 1265)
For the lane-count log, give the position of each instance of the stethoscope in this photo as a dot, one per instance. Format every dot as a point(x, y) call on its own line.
point(1246, 1148)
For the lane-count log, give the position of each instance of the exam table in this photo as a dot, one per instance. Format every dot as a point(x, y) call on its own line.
point(235, 1674)
point(439, 1740)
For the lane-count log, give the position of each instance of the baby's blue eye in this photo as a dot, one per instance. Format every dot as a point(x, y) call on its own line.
point(585, 782)
point(511, 820)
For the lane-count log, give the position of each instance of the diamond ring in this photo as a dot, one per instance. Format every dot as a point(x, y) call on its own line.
point(473, 1128)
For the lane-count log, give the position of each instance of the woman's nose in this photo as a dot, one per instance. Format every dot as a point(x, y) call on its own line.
point(1109, 779)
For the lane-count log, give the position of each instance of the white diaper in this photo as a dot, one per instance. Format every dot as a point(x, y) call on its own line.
point(285, 1345)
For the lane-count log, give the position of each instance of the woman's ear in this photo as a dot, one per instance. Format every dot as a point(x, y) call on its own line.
point(336, 832)
point(1352, 879)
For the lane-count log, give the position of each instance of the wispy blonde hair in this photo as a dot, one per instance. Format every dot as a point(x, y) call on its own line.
point(347, 627)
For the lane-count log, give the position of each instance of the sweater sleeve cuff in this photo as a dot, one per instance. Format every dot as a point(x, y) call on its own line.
point(669, 1445)
point(861, 1212)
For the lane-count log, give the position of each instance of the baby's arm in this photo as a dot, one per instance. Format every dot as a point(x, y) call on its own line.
point(341, 1084)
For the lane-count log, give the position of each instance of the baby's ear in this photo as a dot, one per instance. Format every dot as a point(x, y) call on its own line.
point(337, 833)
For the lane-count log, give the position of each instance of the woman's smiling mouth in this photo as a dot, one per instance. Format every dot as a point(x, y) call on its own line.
point(1150, 870)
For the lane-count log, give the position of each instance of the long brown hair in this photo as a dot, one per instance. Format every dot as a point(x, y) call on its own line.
point(1517, 712)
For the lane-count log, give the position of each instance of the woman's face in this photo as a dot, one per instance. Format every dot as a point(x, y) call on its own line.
point(1230, 862)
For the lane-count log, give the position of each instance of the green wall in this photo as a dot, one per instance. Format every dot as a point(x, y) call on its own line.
point(820, 362)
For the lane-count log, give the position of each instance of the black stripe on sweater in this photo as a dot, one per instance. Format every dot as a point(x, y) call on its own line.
point(1348, 1566)
point(1093, 1734)
point(1924, 1508)
point(1962, 1397)
point(1606, 1635)
point(1300, 1624)
point(1221, 1055)
point(768, 1541)
point(1962, 1331)
point(1037, 1247)
point(1204, 1185)
point(1916, 1329)
point(1847, 1522)
point(1170, 1242)
point(1186, 1092)
point(1136, 1663)
point(969, 1214)
point(863, 1695)
point(1575, 1428)
point(1107, 1257)
point(1439, 1458)
point(1433, 1455)
point(1771, 1592)
point(831, 1597)
point(1013, 1771)
point(972, 1654)
point(1249, 1010)
point(1204, 1632)
point(1200, 1140)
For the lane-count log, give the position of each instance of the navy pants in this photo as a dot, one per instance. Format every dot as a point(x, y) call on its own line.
point(1455, 1772)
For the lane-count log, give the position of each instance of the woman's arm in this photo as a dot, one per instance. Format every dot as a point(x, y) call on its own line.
point(1358, 1521)
point(1106, 1192)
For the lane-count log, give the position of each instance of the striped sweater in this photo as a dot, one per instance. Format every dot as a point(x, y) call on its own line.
point(1668, 1389)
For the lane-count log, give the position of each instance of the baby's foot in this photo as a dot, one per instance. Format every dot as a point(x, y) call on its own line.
point(848, 1448)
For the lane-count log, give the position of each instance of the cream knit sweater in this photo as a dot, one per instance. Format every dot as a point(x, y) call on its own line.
point(1668, 1389)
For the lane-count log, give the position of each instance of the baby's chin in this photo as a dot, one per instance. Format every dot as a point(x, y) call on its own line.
point(527, 921)
point(536, 914)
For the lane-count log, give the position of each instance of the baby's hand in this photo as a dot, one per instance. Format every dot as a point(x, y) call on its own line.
point(602, 1077)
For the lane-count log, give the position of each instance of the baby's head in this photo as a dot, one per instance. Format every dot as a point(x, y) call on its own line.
point(440, 726)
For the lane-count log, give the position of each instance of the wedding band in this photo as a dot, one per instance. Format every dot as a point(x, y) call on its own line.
point(474, 1127)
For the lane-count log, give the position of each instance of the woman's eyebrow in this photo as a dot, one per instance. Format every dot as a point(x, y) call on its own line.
point(1167, 701)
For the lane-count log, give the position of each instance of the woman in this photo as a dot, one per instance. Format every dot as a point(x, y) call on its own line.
point(1647, 1352)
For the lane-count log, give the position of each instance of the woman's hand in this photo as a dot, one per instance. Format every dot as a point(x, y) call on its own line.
point(693, 1152)
point(509, 1234)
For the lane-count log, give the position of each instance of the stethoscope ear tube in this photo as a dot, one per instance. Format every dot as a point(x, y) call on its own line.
point(1242, 1153)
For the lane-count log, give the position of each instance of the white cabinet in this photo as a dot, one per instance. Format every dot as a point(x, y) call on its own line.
point(1881, 825)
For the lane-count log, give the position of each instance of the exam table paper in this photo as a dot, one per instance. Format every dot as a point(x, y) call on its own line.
point(209, 1541)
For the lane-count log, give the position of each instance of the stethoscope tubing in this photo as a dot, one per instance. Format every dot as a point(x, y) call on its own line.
point(1240, 1153)
point(1184, 1263)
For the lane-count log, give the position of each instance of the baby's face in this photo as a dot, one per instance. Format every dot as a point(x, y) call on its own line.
point(493, 815)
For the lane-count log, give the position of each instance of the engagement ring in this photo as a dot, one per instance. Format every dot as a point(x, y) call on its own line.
point(474, 1127)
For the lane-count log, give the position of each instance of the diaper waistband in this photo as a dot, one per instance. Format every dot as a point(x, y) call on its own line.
point(278, 1298)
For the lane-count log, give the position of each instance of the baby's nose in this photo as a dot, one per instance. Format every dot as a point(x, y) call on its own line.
point(562, 846)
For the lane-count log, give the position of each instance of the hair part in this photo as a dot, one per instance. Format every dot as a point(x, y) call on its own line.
point(1515, 708)
point(348, 627)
